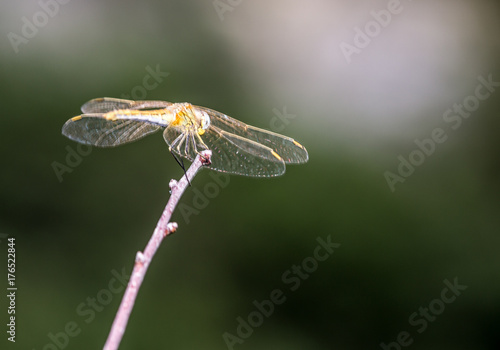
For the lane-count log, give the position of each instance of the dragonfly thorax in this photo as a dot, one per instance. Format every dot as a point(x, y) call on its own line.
point(188, 117)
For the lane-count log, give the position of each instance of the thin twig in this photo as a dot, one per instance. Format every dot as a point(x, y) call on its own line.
point(142, 260)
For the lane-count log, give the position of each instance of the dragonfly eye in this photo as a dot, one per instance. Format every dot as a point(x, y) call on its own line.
point(204, 121)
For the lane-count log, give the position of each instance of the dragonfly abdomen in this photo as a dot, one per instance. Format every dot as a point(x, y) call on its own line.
point(161, 117)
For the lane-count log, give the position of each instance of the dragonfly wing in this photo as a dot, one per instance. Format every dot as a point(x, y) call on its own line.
point(290, 150)
point(108, 104)
point(230, 153)
point(93, 129)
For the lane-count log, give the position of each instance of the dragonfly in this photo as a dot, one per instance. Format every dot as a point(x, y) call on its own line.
point(237, 148)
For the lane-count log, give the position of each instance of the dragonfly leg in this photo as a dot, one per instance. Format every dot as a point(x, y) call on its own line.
point(204, 146)
point(180, 162)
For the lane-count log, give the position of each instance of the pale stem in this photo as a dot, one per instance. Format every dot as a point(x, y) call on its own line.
point(143, 259)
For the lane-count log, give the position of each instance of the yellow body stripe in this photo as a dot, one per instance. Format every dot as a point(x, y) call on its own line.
point(161, 114)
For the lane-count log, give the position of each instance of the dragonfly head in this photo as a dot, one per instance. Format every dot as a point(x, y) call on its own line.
point(203, 121)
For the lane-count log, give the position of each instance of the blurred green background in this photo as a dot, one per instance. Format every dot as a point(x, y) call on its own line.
point(356, 114)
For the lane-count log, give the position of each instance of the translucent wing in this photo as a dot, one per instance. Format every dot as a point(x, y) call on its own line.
point(290, 150)
point(230, 153)
point(94, 129)
point(107, 104)
point(236, 147)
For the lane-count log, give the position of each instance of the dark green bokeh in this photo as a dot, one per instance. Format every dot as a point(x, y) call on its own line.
point(396, 249)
